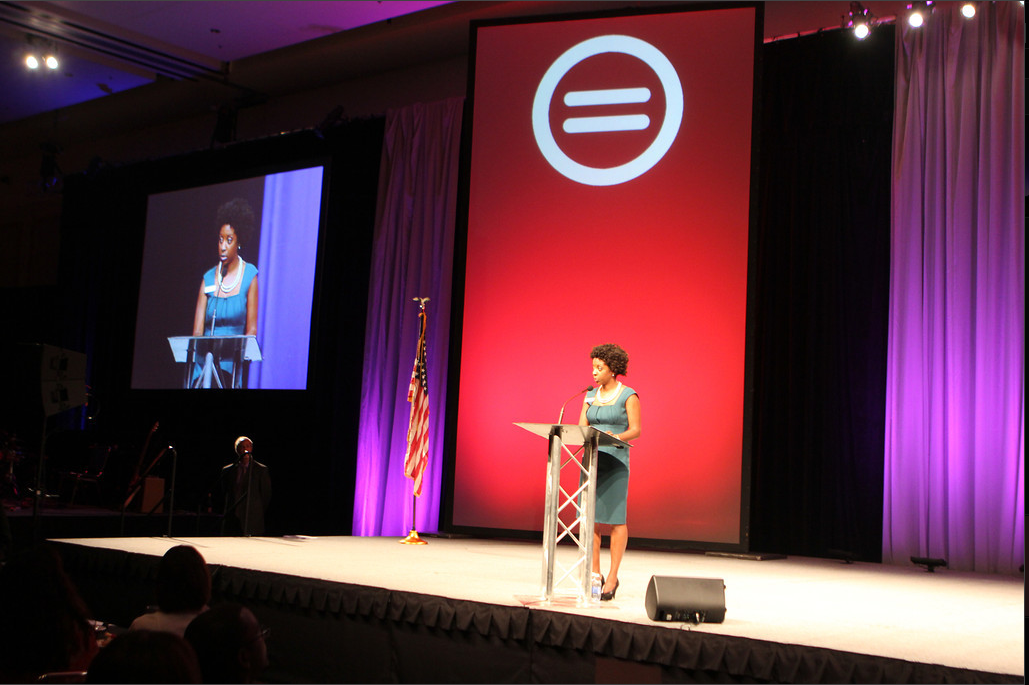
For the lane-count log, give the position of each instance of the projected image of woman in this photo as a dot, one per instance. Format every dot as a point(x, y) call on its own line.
point(227, 301)
point(614, 409)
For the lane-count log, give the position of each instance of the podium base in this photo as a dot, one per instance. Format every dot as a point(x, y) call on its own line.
point(412, 539)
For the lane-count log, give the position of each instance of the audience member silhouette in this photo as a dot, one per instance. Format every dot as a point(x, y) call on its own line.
point(183, 591)
point(45, 626)
point(145, 656)
point(229, 643)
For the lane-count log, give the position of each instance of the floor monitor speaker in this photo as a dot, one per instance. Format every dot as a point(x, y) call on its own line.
point(687, 600)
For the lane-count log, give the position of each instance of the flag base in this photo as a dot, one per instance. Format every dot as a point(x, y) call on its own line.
point(412, 539)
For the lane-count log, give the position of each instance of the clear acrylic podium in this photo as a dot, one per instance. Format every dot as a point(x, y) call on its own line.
point(582, 500)
point(240, 350)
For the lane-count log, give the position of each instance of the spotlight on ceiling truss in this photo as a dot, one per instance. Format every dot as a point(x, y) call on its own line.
point(58, 27)
point(860, 20)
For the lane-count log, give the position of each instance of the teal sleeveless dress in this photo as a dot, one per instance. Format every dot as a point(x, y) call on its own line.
point(227, 314)
point(612, 462)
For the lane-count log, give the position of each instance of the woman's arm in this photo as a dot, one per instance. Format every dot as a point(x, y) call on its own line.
point(201, 311)
point(251, 328)
point(632, 408)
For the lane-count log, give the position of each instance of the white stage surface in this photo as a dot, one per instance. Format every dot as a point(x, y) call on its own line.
point(954, 619)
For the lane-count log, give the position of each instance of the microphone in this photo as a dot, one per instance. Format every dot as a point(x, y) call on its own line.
point(562, 414)
point(214, 312)
point(240, 447)
point(224, 269)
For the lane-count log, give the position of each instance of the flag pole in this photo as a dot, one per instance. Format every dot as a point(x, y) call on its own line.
point(412, 537)
point(417, 376)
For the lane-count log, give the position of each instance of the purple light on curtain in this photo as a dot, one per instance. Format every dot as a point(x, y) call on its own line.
point(412, 256)
point(955, 455)
point(289, 252)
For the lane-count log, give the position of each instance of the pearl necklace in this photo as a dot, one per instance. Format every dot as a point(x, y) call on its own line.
point(228, 288)
point(614, 395)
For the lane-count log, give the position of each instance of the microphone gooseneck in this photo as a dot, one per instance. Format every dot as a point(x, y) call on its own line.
point(562, 414)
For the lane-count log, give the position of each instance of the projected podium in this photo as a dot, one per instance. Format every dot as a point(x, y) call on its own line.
point(237, 350)
point(582, 500)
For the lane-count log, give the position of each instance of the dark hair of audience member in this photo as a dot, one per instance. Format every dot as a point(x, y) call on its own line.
point(229, 644)
point(145, 656)
point(45, 627)
point(183, 581)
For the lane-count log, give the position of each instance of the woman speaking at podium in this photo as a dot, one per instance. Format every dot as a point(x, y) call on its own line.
point(614, 409)
point(227, 302)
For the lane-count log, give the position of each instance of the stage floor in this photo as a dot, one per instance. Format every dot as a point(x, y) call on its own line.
point(955, 619)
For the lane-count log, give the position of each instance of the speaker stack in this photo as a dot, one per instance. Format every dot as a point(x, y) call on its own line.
point(686, 600)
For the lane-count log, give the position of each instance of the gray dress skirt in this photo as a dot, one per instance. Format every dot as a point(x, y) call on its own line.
point(612, 462)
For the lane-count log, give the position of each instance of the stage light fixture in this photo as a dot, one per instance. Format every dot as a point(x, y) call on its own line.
point(35, 60)
point(968, 10)
point(930, 563)
point(918, 12)
point(40, 52)
point(844, 555)
point(860, 20)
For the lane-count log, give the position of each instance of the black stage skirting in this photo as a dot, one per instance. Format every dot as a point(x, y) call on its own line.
point(327, 631)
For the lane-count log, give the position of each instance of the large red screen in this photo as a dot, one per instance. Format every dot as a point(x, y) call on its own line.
point(609, 187)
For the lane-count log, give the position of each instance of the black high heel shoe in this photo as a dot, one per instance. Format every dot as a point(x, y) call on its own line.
point(608, 596)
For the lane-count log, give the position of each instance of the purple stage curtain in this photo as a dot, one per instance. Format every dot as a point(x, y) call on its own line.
point(285, 281)
point(412, 256)
point(955, 420)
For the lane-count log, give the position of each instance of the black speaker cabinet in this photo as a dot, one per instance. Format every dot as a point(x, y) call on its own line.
point(687, 600)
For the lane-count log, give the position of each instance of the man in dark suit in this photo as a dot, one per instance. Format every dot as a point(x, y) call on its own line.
point(247, 488)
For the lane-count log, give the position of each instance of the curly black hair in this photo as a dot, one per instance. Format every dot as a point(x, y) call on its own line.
point(240, 215)
point(614, 356)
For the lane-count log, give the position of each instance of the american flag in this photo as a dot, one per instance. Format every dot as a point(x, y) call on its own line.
point(418, 431)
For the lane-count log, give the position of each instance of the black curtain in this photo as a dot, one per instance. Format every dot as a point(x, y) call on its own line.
point(308, 438)
point(820, 279)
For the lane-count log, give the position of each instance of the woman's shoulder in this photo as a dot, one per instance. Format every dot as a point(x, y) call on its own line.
point(249, 274)
point(210, 277)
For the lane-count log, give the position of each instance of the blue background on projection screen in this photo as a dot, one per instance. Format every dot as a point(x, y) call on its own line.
point(181, 244)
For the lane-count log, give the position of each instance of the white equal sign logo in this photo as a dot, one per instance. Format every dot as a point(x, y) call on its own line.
point(607, 124)
point(667, 131)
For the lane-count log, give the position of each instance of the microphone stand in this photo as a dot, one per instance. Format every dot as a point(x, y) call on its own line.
point(562, 414)
point(217, 285)
point(231, 508)
point(250, 482)
point(171, 491)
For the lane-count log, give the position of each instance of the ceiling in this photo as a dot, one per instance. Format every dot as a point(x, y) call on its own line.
point(108, 47)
